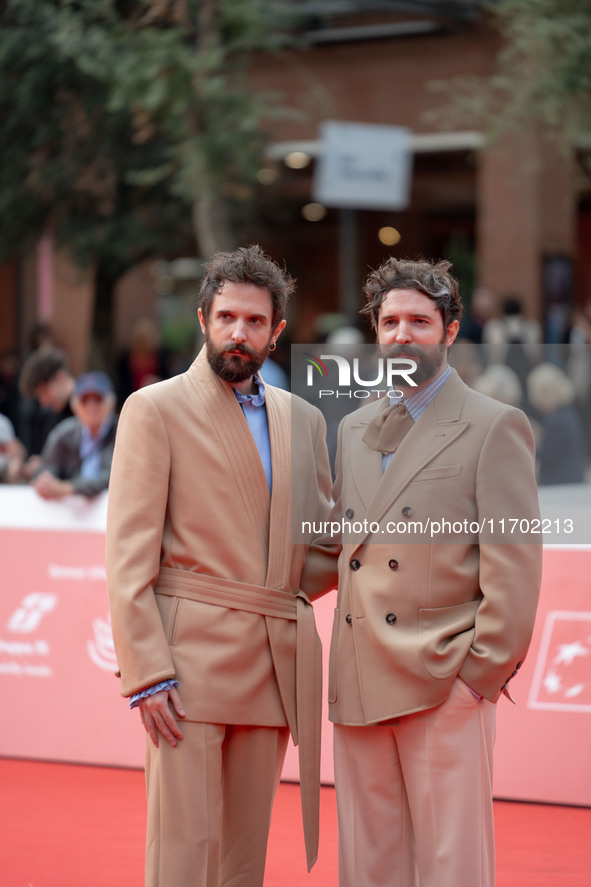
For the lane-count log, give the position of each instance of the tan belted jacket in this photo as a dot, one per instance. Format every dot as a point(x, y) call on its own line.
point(202, 573)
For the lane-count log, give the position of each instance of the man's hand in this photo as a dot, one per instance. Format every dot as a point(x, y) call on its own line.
point(50, 487)
point(157, 715)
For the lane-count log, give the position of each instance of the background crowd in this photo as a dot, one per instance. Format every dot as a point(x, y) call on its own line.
point(57, 431)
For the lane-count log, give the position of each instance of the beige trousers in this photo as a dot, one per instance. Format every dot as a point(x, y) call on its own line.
point(414, 797)
point(209, 805)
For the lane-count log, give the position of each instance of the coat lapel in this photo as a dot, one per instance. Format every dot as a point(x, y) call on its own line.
point(227, 420)
point(279, 416)
point(438, 427)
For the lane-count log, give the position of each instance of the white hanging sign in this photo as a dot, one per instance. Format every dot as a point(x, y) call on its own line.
point(363, 166)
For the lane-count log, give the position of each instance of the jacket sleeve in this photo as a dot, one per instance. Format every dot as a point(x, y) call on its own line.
point(61, 456)
point(510, 555)
point(61, 451)
point(320, 572)
point(91, 486)
point(135, 523)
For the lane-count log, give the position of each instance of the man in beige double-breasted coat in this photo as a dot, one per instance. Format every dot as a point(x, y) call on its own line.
point(215, 643)
point(439, 578)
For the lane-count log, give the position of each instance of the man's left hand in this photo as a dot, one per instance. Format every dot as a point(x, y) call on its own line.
point(50, 487)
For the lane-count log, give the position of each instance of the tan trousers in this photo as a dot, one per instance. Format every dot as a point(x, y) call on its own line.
point(209, 805)
point(414, 798)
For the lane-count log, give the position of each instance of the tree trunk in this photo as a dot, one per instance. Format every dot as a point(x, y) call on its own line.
point(102, 350)
point(210, 216)
point(210, 223)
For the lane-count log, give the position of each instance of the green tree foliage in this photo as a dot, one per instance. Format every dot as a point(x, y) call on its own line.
point(543, 71)
point(180, 67)
point(545, 67)
point(68, 162)
point(124, 123)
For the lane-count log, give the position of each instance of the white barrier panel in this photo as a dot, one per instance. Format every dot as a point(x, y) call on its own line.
point(61, 699)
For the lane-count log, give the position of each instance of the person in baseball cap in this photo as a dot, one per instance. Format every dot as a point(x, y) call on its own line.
point(93, 383)
point(77, 455)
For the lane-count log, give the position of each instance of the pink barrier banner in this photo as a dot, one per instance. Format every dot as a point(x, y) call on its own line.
point(62, 702)
point(543, 742)
point(57, 663)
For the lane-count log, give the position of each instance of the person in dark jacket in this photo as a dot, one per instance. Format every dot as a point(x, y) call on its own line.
point(77, 455)
point(46, 385)
point(561, 449)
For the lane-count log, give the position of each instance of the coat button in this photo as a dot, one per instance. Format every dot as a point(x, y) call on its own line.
point(407, 511)
point(391, 618)
point(355, 564)
point(348, 619)
point(349, 513)
point(393, 563)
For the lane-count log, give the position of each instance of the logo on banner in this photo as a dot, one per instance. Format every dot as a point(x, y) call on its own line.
point(562, 678)
point(31, 611)
point(101, 648)
point(27, 657)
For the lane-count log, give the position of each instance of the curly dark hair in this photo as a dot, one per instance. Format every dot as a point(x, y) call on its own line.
point(41, 367)
point(430, 278)
point(247, 264)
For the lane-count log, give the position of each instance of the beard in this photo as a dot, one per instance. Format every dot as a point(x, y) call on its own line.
point(429, 359)
point(231, 368)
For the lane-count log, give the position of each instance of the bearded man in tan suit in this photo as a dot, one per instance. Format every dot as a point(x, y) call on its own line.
point(210, 627)
point(432, 618)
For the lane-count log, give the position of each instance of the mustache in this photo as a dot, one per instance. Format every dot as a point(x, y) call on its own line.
point(410, 350)
point(241, 349)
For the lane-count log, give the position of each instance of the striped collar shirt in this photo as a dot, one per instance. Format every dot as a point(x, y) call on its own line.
point(416, 404)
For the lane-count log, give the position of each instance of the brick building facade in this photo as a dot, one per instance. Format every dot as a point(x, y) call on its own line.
point(503, 212)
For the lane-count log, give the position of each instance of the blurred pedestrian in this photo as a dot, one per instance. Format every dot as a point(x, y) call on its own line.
point(12, 453)
point(561, 451)
point(500, 383)
point(77, 456)
point(9, 393)
point(144, 362)
point(480, 310)
point(513, 339)
point(45, 380)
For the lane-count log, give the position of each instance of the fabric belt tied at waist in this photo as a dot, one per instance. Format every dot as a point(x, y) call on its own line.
point(279, 604)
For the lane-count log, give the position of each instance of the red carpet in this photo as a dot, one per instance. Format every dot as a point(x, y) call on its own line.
point(70, 826)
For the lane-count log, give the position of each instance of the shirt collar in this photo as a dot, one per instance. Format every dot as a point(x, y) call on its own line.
point(253, 400)
point(416, 404)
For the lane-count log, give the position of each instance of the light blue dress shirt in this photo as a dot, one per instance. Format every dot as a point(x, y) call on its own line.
point(255, 413)
point(91, 447)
